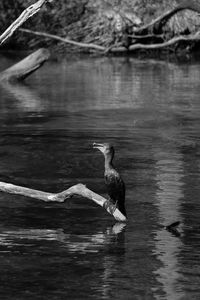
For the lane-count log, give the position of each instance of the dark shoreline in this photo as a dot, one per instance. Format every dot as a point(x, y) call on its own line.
point(155, 55)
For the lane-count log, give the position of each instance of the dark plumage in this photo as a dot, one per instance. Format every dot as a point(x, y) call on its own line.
point(173, 225)
point(113, 180)
point(173, 228)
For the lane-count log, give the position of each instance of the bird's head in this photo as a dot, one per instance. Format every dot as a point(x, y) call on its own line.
point(106, 148)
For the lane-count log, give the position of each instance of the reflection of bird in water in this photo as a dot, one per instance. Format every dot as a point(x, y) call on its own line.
point(113, 180)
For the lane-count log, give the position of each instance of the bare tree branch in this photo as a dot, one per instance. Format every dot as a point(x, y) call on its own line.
point(64, 40)
point(26, 14)
point(138, 46)
point(189, 38)
point(78, 189)
point(120, 49)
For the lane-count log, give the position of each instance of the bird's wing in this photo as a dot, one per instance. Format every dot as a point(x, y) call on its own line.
point(115, 187)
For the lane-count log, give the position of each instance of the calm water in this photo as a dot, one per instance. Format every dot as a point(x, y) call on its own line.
point(150, 111)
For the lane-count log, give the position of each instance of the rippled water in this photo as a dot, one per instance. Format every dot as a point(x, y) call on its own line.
point(150, 111)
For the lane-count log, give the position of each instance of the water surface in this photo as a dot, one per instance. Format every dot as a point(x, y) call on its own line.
point(150, 111)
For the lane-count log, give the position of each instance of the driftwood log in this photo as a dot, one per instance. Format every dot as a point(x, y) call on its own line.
point(25, 15)
point(25, 67)
point(78, 189)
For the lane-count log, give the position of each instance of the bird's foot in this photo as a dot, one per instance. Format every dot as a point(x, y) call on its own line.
point(110, 207)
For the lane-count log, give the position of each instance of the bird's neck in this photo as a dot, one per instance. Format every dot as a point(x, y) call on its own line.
point(108, 162)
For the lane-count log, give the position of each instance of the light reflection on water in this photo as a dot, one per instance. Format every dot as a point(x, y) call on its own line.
point(150, 111)
point(83, 243)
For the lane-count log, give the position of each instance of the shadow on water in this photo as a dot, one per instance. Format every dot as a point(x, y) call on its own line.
point(150, 111)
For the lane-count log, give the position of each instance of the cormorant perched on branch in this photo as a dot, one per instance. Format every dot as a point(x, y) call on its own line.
point(113, 180)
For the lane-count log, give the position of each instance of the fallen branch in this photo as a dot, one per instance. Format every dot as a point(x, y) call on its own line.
point(189, 38)
point(25, 15)
point(121, 49)
point(78, 189)
point(26, 66)
point(156, 25)
point(64, 40)
point(138, 46)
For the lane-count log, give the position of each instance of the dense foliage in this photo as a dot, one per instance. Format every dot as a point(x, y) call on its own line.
point(53, 18)
point(87, 20)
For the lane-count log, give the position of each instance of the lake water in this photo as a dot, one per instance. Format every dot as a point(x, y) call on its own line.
point(150, 111)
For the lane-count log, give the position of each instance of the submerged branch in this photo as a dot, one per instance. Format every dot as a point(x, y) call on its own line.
point(26, 66)
point(78, 189)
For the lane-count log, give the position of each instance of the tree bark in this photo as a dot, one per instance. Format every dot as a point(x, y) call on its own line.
point(25, 15)
point(78, 189)
point(25, 67)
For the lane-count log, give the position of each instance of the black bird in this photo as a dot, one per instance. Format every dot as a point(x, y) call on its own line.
point(113, 180)
point(173, 228)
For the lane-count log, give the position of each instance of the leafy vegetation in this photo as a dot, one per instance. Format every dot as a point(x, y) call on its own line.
point(91, 21)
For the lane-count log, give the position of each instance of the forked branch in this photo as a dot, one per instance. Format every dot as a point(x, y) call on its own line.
point(78, 189)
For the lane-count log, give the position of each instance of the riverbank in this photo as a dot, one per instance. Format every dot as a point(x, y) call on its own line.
point(112, 26)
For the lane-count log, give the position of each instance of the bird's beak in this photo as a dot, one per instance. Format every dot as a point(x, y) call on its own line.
point(98, 146)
